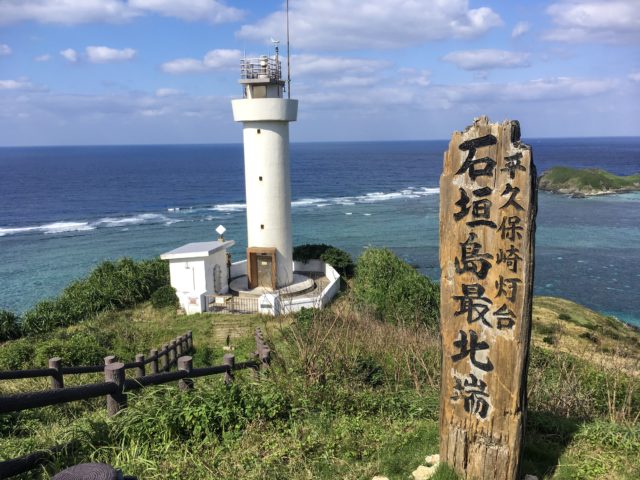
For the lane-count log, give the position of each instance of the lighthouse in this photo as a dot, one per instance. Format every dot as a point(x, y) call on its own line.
point(265, 115)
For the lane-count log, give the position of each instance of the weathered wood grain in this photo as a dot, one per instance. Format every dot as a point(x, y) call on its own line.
point(487, 225)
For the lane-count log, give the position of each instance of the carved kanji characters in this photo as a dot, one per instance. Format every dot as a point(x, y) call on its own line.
point(473, 303)
point(510, 228)
point(473, 392)
point(481, 166)
point(507, 287)
point(505, 317)
point(510, 258)
point(513, 193)
point(480, 209)
point(468, 347)
point(471, 259)
point(514, 163)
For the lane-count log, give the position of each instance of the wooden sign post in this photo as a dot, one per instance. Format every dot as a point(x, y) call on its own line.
point(487, 224)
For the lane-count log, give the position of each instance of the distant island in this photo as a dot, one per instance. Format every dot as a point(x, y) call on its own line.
point(586, 182)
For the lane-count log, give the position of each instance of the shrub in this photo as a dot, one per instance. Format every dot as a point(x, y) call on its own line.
point(110, 286)
point(9, 327)
point(592, 337)
point(338, 259)
point(47, 315)
point(394, 290)
point(309, 251)
point(564, 316)
point(164, 296)
point(78, 349)
point(16, 355)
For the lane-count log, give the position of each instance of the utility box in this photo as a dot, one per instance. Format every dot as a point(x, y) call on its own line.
point(198, 271)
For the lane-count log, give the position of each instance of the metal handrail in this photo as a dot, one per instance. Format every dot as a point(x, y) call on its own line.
point(260, 68)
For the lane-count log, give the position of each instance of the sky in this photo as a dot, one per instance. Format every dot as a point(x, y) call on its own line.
point(103, 72)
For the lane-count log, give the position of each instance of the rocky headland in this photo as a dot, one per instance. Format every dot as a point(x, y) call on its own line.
point(586, 182)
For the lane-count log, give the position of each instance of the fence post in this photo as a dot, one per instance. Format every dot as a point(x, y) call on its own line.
point(185, 363)
point(165, 357)
point(229, 361)
point(114, 373)
point(140, 369)
point(190, 340)
point(108, 360)
point(172, 353)
point(265, 357)
point(263, 350)
point(57, 380)
point(179, 351)
point(153, 354)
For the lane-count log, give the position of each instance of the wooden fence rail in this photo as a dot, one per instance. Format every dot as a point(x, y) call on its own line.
point(57, 370)
point(116, 386)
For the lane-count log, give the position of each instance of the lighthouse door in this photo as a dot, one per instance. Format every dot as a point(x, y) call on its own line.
point(264, 271)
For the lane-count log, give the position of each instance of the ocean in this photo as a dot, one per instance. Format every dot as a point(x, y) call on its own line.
point(65, 209)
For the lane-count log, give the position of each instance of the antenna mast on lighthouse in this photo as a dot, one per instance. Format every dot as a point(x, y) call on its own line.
point(288, 57)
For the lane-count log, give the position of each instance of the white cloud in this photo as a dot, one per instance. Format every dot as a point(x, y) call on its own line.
point(486, 59)
point(307, 64)
point(4, 49)
point(68, 12)
point(634, 76)
point(412, 76)
point(21, 84)
point(219, 59)
point(70, 54)
point(540, 90)
point(72, 12)
point(520, 29)
point(123, 104)
point(191, 10)
point(402, 95)
point(102, 54)
point(353, 24)
point(43, 58)
point(610, 21)
point(167, 92)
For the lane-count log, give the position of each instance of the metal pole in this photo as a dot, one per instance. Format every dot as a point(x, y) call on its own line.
point(288, 57)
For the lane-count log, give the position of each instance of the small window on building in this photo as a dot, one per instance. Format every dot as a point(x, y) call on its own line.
point(258, 131)
point(261, 227)
point(260, 178)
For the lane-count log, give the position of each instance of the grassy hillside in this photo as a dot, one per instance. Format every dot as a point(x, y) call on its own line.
point(589, 181)
point(348, 397)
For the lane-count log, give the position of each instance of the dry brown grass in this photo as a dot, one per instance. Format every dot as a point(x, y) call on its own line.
point(400, 355)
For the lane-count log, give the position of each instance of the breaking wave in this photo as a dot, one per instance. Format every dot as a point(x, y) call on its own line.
point(177, 214)
point(106, 222)
point(410, 192)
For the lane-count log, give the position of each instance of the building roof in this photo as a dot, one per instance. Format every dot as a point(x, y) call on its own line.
point(197, 250)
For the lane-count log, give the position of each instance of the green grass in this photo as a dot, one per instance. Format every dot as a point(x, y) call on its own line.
point(339, 402)
point(586, 180)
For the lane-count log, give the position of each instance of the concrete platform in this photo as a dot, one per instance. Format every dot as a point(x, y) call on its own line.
point(301, 285)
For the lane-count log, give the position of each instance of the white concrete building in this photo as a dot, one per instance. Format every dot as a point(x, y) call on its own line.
point(265, 115)
point(199, 270)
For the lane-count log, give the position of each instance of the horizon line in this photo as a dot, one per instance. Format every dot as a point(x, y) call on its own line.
point(296, 143)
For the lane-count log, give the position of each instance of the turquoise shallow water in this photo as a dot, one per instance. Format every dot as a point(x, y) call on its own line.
point(67, 209)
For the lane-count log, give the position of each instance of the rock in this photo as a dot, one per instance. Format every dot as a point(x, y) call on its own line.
point(432, 459)
point(530, 477)
point(379, 477)
point(424, 473)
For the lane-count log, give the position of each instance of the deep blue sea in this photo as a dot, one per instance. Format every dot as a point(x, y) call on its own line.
point(65, 209)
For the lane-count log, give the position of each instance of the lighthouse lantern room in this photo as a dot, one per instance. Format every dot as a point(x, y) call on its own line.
point(265, 116)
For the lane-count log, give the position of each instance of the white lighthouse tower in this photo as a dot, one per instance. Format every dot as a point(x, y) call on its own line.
point(265, 115)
